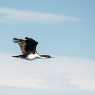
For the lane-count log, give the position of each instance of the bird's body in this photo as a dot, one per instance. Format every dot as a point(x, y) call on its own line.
point(33, 56)
point(28, 48)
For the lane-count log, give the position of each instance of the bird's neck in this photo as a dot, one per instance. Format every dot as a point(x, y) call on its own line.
point(45, 56)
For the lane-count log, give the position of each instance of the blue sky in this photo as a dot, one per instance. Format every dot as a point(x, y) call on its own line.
point(66, 30)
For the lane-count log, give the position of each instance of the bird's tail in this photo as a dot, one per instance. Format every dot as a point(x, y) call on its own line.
point(17, 56)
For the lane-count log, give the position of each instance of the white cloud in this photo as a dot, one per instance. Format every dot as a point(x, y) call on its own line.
point(54, 75)
point(80, 73)
point(23, 83)
point(13, 15)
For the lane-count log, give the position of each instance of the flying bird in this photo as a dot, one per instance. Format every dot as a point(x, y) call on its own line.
point(28, 49)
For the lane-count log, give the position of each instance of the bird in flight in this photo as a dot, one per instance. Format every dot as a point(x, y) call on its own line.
point(28, 49)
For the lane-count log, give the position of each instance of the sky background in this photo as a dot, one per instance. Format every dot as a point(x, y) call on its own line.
point(62, 27)
point(65, 30)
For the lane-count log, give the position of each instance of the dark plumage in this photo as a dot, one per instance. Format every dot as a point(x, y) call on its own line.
point(28, 48)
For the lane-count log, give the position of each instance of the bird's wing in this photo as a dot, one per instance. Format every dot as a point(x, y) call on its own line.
point(31, 45)
point(27, 45)
point(22, 45)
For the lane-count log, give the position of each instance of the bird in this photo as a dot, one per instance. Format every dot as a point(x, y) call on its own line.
point(28, 48)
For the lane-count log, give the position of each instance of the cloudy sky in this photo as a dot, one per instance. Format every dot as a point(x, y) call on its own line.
point(64, 29)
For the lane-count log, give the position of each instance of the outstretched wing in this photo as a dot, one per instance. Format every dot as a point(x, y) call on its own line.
point(22, 44)
point(27, 45)
point(31, 45)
